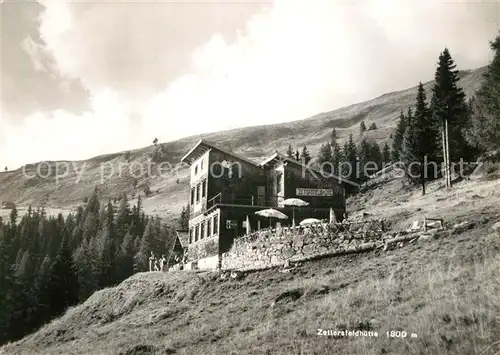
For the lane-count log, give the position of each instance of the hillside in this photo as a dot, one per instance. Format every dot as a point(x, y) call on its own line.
point(169, 193)
point(444, 290)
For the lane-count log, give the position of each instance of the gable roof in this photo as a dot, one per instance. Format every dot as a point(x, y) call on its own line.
point(183, 237)
point(203, 145)
point(278, 157)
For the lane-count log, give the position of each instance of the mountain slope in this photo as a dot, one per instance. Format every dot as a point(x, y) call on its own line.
point(445, 290)
point(170, 193)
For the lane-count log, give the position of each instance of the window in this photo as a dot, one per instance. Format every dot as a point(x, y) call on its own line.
point(216, 224)
point(190, 235)
point(209, 227)
point(202, 230)
point(216, 170)
point(203, 188)
point(192, 196)
point(198, 193)
point(196, 169)
point(279, 181)
point(196, 231)
point(201, 165)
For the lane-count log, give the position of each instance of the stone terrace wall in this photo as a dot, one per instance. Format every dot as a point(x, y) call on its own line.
point(267, 248)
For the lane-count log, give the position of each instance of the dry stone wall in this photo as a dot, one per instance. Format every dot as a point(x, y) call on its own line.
point(274, 247)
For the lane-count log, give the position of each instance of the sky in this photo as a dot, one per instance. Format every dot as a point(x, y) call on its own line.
point(84, 78)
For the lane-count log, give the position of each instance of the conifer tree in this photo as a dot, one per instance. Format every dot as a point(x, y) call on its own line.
point(350, 158)
point(147, 245)
point(375, 155)
point(397, 142)
point(289, 151)
point(325, 158)
point(448, 104)
point(484, 130)
point(63, 287)
point(305, 156)
point(420, 142)
point(333, 137)
point(372, 127)
point(386, 153)
point(362, 128)
point(337, 158)
point(363, 152)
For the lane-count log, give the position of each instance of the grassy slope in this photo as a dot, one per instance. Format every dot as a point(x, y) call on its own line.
point(446, 290)
point(254, 142)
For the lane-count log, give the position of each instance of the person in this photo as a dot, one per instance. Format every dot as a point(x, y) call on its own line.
point(162, 263)
point(152, 260)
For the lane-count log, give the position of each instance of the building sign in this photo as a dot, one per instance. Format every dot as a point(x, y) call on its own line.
point(231, 224)
point(315, 192)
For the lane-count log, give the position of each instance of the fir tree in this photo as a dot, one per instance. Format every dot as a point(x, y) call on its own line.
point(337, 158)
point(289, 151)
point(484, 109)
point(386, 153)
point(397, 142)
point(63, 284)
point(375, 155)
point(448, 104)
point(419, 144)
point(184, 219)
point(333, 137)
point(362, 128)
point(363, 152)
point(325, 158)
point(147, 245)
point(350, 158)
point(372, 127)
point(304, 155)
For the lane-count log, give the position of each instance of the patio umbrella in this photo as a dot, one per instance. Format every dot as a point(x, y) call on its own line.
point(271, 213)
point(294, 202)
point(309, 221)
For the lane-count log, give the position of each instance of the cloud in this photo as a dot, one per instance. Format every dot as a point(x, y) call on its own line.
point(289, 62)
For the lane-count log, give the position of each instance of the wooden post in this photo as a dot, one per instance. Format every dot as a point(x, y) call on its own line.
point(445, 157)
point(425, 224)
point(448, 160)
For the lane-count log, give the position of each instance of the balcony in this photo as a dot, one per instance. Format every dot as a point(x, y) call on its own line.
point(250, 200)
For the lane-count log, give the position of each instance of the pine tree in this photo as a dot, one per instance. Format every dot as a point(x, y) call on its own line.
point(363, 152)
point(63, 287)
point(304, 155)
point(337, 158)
point(386, 153)
point(484, 109)
point(184, 220)
point(362, 128)
point(397, 142)
point(147, 245)
point(420, 142)
point(333, 137)
point(325, 158)
point(350, 158)
point(372, 127)
point(289, 151)
point(375, 155)
point(448, 104)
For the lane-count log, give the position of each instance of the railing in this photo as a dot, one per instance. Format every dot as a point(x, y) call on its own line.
point(217, 199)
point(251, 200)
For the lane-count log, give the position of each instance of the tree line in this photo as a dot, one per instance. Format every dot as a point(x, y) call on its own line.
point(432, 136)
point(449, 128)
point(349, 161)
point(49, 263)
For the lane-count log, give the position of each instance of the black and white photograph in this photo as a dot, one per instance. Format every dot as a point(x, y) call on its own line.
point(205, 177)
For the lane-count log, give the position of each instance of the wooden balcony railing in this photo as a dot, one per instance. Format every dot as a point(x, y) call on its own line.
point(251, 200)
